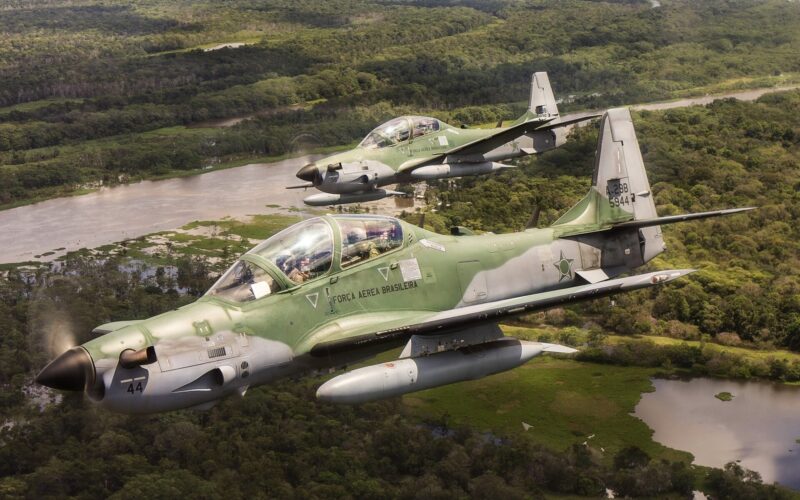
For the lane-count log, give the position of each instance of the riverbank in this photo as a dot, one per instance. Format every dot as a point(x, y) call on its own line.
point(66, 192)
point(554, 402)
point(562, 403)
point(721, 421)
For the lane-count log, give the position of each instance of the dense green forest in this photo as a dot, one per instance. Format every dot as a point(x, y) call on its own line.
point(107, 92)
point(279, 440)
point(101, 92)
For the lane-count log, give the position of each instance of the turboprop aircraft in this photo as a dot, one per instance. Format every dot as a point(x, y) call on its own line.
point(416, 148)
point(336, 290)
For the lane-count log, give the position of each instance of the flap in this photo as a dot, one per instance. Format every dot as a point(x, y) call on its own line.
point(601, 274)
point(593, 275)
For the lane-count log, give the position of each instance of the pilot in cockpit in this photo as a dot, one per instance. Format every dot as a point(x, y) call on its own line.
point(301, 270)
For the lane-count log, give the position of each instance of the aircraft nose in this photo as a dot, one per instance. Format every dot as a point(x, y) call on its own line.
point(310, 173)
point(69, 372)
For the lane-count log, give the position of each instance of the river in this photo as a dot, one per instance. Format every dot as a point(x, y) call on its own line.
point(117, 213)
point(744, 95)
point(759, 427)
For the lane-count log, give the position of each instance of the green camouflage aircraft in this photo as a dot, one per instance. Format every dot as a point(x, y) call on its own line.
point(336, 290)
point(416, 148)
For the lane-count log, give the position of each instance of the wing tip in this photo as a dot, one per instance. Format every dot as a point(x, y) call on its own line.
point(557, 348)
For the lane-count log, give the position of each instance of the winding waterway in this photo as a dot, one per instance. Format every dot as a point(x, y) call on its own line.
point(759, 427)
point(117, 213)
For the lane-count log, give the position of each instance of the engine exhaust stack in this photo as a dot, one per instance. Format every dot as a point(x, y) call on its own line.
point(131, 359)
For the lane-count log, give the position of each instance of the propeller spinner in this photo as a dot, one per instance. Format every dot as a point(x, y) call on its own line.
point(72, 371)
point(310, 173)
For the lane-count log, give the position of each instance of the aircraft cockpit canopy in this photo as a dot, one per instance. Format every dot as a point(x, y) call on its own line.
point(301, 252)
point(244, 282)
point(399, 130)
point(365, 237)
point(305, 251)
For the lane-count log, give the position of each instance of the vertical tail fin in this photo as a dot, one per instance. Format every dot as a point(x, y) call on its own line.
point(620, 190)
point(542, 102)
point(619, 171)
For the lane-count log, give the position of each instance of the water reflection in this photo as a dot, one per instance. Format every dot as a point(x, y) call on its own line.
point(759, 426)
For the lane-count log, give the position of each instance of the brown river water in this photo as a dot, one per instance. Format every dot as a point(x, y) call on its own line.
point(113, 214)
point(759, 427)
point(117, 213)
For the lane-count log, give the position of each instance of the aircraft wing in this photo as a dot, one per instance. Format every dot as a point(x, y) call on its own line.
point(369, 329)
point(486, 144)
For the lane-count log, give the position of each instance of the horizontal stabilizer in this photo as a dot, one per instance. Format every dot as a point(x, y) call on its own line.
point(671, 219)
point(568, 120)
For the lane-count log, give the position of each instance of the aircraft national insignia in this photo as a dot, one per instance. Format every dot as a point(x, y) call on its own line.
point(312, 299)
point(564, 267)
point(384, 272)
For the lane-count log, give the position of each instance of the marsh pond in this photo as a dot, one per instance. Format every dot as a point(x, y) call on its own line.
point(759, 427)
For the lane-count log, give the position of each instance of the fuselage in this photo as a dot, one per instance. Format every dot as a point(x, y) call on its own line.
point(222, 345)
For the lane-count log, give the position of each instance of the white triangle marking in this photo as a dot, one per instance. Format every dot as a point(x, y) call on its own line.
point(312, 299)
point(384, 272)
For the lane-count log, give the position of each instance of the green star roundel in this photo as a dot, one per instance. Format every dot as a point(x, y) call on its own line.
point(564, 267)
